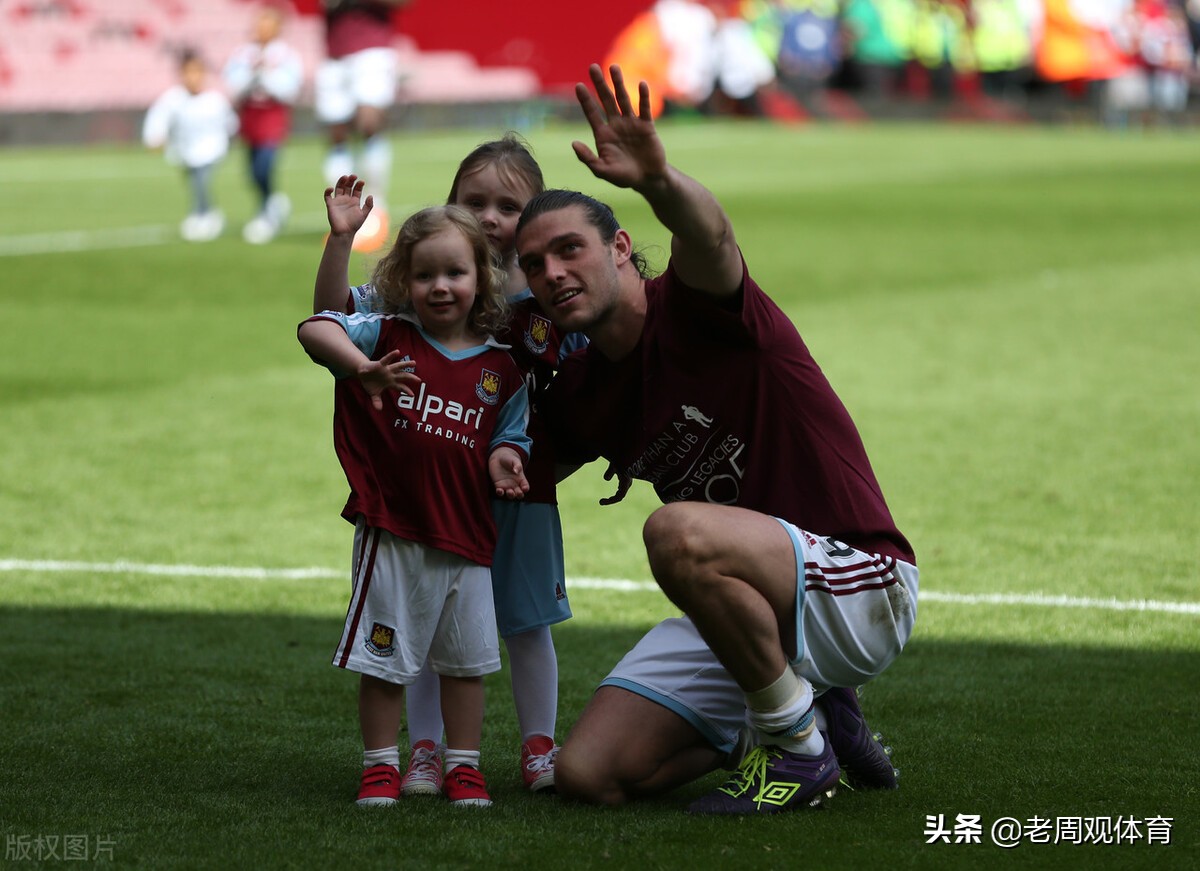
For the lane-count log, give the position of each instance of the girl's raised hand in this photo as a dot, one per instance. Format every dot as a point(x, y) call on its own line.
point(345, 207)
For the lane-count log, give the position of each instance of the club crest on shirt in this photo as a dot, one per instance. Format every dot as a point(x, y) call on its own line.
point(382, 641)
point(537, 337)
point(488, 388)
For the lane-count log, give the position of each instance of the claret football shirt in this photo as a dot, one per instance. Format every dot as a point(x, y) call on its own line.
point(722, 402)
point(418, 468)
point(537, 348)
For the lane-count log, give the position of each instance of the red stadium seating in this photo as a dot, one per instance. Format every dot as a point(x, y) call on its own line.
point(81, 55)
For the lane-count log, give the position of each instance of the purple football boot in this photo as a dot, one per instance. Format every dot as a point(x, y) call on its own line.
point(771, 780)
point(865, 762)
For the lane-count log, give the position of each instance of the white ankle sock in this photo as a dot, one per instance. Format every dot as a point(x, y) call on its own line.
point(782, 715)
point(455, 758)
point(382, 756)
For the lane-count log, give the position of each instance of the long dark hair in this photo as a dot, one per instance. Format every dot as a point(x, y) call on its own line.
point(598, 214)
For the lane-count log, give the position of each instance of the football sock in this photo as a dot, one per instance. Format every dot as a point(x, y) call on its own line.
point(782, 713)
point(534, 676)
point(382, 756)
point(423, 704)
point(377, 167)
point(455, 758)
point(338, 162)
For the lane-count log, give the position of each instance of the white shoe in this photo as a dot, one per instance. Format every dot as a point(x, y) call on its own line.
point(190, 228)
point(210, 225)
point(278, 209)
point(260, 230)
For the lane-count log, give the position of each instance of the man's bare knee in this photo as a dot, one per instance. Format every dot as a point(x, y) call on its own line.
point(677, 546)
point(672, 536)
point(577, 780)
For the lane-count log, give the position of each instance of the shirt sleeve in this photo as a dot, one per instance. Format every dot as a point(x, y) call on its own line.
point(157, 126)
point(512, 422)
point(571, 343)
point(232, 122)
point(363, 330)
point(284, 75)
point(365, 299)
point(239, 72)
point(748, 317)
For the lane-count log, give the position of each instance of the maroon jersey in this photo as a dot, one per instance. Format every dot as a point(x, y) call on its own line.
point(354, 25)
point(723, 403)
point(264, 121)
point(535, 346)
point(418, 468)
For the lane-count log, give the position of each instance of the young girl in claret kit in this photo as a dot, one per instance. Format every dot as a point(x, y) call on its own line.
point(429, 424)
point(493, 182)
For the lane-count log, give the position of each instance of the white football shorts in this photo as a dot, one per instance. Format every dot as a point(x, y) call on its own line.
point(854, 613)
point(409, 601)
point(365, 78)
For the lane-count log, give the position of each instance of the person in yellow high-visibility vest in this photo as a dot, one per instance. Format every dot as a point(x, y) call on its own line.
point(879, 37)
point(1003, 46)
point(941, 43)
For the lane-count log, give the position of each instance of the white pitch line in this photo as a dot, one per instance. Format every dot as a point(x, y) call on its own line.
point(174, 571)
point(69, 241)
point(86, 240)
point(1042, 600)
point(583, 583)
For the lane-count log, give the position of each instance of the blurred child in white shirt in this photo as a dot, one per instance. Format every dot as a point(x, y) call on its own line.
point(193, 123)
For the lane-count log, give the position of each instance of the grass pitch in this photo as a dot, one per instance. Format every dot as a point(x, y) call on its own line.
point(1010, 315)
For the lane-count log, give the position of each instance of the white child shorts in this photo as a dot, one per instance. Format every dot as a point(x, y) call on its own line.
point(365, 78)
point(854, 613)
point(408, 602)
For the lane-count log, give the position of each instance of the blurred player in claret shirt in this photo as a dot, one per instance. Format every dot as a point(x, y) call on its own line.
point(355, 88)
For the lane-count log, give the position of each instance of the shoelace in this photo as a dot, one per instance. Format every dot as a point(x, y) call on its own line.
point(423, 758)
point(752, 770)
point(541, 761)
point(425, 767)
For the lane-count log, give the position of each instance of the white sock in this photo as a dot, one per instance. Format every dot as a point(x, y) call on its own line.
point(534, 675)
point(377, 167)
point(338, 162)
point(455, 758)
point(423, 707)
point(782, 714)
point(382, 756)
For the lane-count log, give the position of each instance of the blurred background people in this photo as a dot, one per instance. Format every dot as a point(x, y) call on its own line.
point(879, 44)
point(355, 88)
point(942, 47)
point(192, 123)
point(264, 77)
point(1002, 39)
point(1169, 57)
